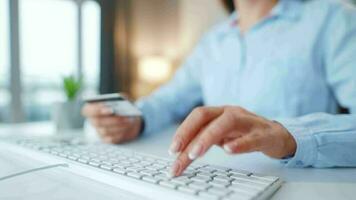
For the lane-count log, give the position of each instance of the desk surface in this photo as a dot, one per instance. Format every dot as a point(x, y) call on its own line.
point(307, 183)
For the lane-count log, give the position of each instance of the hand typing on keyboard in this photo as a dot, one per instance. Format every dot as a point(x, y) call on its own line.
point(233, 128)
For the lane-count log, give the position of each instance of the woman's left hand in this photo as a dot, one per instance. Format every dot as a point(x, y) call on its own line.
point(233, 128)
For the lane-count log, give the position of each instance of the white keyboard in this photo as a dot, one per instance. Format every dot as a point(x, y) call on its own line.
point(147, 175)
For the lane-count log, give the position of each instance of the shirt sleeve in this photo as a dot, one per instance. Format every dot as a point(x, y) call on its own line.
point(173, 101)
point(325, 140)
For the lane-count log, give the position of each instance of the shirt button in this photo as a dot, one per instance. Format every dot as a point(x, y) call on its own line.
point(299, 163)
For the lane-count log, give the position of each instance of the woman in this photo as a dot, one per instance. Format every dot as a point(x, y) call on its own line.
point(268, 79)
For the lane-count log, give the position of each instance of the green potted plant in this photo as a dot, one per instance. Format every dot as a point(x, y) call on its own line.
point(67, 115)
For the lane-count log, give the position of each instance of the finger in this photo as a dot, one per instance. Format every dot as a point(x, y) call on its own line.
point(191, 126)
point(96, 110)
point(214, 133)
point(180, 164)
point(115, 139)
point(183, 160)
point(110, 131)
point(247, 143)
point(109, 121)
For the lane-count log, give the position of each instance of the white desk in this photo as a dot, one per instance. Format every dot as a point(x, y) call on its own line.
point(299, 183)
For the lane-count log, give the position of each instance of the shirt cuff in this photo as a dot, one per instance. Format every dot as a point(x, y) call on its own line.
point(146, 118)
point(306, 152)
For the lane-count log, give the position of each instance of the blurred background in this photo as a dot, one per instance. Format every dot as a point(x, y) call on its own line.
point(131, 46)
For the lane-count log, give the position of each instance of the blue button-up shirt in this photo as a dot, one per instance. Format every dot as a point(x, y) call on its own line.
point(296, 66)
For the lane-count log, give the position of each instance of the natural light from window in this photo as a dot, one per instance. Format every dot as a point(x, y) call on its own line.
point(91, 45)
point(4, 59)
point(4, 54)
point(48, 51)
point(48, 39)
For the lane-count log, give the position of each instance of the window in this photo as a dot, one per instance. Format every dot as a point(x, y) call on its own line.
point(4, 59)
point(48, 31)
point(91, 46)
point(57, 38)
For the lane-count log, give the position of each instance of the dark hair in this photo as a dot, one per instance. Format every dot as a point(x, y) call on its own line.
point(229, 5)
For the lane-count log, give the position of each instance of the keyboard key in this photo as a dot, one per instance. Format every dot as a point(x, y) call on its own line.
point(145, 163)
point(134, 175)
point(201, 179)
point(148, 172)
point(63, 155)
point(223, 173)
point(188, 190)
point(249, 181)
point(162, 162)
point(222, 178)
point(199, 185)
point(107, 167)
point(93, 163)
point(150, 179)
point(217, 168)
point(125, 162)
point(219, 191)
point(73, 157)
point(168, 184)
point(133, 160)
point(265, 178)
point(219, 183)
point(208, 196)
point(96, 160)
point(82, 160)
point(119, 171)
point(162, 176)
point(152, 160)
point(85, 157)
point(122, 166)
point(239, 172)
point(135, 169)
point(206, 170)
point(150, 167)
point(246, 187)
point(165, 170)
point(158, 166)
point(181, 180)
point(205, 174)
point(76, 154)
point(106, 162)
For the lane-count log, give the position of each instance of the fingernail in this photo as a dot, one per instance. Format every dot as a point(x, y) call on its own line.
point(195, 152)
point(174, 149)
point(227, 148)
point(174, 170)
point(106, 111)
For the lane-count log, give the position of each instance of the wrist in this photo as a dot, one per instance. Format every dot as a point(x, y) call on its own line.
point(289, 144)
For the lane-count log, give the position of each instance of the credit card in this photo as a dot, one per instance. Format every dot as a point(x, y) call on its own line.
point(118, 103)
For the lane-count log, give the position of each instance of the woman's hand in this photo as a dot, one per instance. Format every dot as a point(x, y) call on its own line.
point(112, 128)
point(234, 128)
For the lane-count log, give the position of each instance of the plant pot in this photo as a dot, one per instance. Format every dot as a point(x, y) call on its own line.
point(67, 115)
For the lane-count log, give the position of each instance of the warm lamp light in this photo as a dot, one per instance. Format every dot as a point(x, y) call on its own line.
point(154, 69)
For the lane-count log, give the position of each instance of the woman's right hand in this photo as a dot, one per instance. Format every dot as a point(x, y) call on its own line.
point(112, 128)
